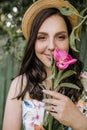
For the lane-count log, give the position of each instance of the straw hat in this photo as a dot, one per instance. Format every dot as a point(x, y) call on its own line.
point(38, 6)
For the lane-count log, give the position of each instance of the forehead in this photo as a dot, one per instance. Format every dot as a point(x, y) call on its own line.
point(54, 22)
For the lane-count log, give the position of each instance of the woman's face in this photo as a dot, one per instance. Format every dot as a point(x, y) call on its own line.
point(52, 34)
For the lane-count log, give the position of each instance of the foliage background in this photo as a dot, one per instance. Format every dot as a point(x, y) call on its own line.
point(12, 42)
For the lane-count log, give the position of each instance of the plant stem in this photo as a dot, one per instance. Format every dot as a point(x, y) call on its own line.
point(80, 22)
point(50, 122)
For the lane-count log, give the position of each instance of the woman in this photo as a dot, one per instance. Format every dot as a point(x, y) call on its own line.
point(45, 28)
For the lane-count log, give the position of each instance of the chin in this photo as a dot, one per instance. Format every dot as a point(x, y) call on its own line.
point(48, 65)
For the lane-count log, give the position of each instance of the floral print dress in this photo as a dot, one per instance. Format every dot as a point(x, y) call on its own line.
point(32, 114)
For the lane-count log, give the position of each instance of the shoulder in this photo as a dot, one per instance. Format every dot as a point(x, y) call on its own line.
point(16, 86)
point(13, 107)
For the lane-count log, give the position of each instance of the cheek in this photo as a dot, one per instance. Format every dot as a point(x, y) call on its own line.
point(66, 47)
point(63, 45)
point(39, 47)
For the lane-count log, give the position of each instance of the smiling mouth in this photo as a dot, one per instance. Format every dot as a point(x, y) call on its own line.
point(48, 56)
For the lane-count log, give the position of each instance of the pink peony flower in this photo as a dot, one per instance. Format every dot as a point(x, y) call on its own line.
point(63, 59)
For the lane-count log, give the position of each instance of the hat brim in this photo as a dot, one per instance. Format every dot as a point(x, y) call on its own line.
point(38, 6)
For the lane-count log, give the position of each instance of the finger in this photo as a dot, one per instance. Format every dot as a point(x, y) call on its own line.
point(51, 101)
point(54, 94)
point(55, 115)
point(51, 108)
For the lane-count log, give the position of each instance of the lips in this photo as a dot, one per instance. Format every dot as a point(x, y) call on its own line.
point(48, 56)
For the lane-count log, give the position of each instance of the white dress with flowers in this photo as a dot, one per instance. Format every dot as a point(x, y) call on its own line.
point(33, 113)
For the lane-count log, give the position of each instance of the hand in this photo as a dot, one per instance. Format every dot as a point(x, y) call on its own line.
point(63, 109)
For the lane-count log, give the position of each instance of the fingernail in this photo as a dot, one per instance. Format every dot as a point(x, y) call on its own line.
point(44, 90)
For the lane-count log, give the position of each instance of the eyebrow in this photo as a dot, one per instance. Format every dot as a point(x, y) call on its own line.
point(45, 33)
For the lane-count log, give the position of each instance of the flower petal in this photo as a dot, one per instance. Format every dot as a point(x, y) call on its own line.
point(62, 66)
point(63, 59)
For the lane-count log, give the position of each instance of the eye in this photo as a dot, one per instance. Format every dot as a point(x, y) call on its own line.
point(61, 37)
point(42, 38)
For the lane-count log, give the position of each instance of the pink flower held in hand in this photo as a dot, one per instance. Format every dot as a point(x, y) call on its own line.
point(63, 59)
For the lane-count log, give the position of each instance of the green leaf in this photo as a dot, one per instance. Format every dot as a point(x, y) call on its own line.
point(67, 74)
point(55, 84)
point(83, 11)
point(78, 33)
point(55, 69)
point(42, 86)
point(50, 77)
point(45, 119)
point(69, 85)
point(67, 11)
point(62, 76)
point(72, 40)
point(57, 78)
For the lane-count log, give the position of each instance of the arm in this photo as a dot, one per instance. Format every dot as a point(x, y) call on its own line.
point(81, 123)
point(12, 114)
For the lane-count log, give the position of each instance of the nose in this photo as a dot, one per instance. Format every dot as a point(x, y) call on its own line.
point(51, 45)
